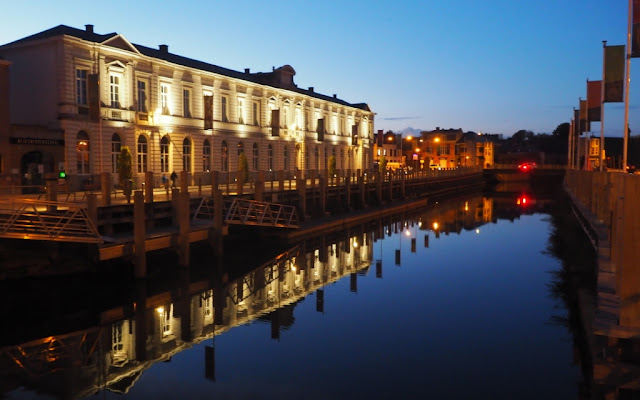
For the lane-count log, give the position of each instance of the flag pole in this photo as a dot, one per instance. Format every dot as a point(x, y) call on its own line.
point(604, 45)
point(570, 146)
point(626, 91)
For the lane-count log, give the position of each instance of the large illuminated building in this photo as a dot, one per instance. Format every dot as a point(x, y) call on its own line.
point(76, 97)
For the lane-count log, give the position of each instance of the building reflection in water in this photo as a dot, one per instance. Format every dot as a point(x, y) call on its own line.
point(154, 326)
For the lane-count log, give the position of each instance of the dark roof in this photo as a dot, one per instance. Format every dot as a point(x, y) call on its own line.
point(272, 78)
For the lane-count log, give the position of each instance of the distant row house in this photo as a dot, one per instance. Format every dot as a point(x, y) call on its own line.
point(75, 97)
point(448, 149)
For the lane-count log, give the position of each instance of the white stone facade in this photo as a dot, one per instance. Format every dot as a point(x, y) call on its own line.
point(104, 92)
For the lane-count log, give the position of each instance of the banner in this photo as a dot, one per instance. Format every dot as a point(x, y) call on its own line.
point(594, 100)
point(614, 58)
point(584, 123)
point(635, 29)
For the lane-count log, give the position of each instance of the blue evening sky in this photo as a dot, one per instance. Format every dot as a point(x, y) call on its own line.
point(493, 66)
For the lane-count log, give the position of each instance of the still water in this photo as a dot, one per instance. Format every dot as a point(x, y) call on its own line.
point(454, 302)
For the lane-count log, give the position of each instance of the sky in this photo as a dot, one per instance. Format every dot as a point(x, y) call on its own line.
point(492, 66)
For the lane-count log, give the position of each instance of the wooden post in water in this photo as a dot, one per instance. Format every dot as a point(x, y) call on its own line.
point(148, 187)
point(379, 177)
point(390, 175)
point(281, 180)
point(259, 189)
point(92, 208)
point(363, 200)
point(323, 194)
point(139, 235)
point(175, 196)
point(52, 190)
point(347, 183)
point(184, 183)
point(301, 185)
point(105, 187)
point(215, 236)
point(184, 224)
point(140, 318)
point(214, 183)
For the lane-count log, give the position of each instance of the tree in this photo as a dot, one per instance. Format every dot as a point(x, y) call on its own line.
point(124, 166)
point(382, 164)
point(332, 166)
point(562, 130)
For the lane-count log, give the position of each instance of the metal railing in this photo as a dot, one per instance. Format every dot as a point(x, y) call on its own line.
point(46, 220)
point(251, 212)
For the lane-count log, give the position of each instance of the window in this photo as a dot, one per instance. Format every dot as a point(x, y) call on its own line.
point(143, 104)
point(223, 109)
point(186, 155)
point(286, 158)
point(142, 154)
point(114, 90)
point(186, 102)
point(240, 111)
point(224, 156)
point(255, 157)
point(256, 113)
point(81, 90)
point(164, 98)
point(83, 161)
point(206, 156)
point(316, 154)
point(443, 150)
point(240, 148)
point(270, 158)
point(164, 154)
point(116, 146)
point(165, 319)
point(298, 121)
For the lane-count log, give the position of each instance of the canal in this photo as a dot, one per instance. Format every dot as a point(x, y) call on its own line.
point(471, 297)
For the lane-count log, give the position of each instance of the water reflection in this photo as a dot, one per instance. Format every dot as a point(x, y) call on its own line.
point(121, 342)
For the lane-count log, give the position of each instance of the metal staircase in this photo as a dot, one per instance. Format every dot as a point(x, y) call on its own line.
point(46, 220)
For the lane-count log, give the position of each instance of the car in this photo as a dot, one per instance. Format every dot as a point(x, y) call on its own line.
point(434, 166)
point(527, 166)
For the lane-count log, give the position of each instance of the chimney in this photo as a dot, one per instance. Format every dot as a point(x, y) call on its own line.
point(335, 96)
point(311, 89)
point(164, 48)
point(437, 128)
point(379, 131)
point(246, 70)
point(89, 28)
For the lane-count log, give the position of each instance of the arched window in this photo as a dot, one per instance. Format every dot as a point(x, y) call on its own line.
point(83, 159)
point(142, 154)
point(286, 158)
point(164, 154)
point(255, 162)
point(206, 156)
point(224, 156)
point(186, 155)
point(270, 158)
point(116, 146)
